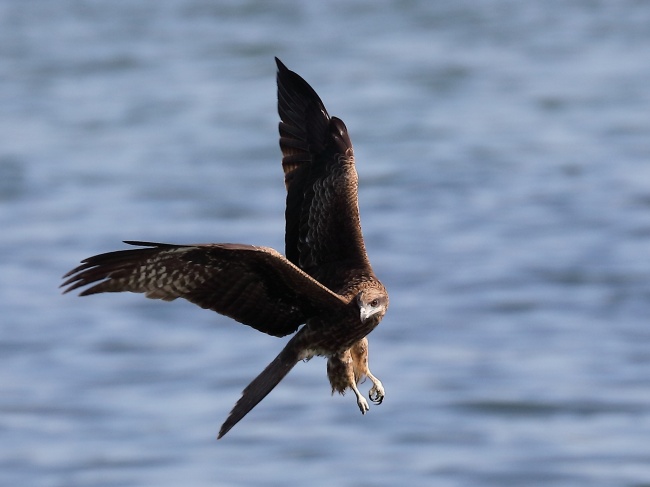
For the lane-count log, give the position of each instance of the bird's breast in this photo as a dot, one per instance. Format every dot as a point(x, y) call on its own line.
point(330, 335)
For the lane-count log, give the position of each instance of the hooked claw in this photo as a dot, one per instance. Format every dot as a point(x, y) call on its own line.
point(377, 393)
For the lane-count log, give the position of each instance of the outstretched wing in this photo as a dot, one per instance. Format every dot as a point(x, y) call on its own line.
point(253, 285)
point(323, 230)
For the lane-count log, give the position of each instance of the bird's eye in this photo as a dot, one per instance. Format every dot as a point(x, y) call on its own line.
point(374, 303)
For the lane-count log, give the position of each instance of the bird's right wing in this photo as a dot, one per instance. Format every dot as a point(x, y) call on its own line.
point(253, 285)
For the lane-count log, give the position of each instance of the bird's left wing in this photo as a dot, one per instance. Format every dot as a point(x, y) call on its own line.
point(254, 285)
point(323, 229)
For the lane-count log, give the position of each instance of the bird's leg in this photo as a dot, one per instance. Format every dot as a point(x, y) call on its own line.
point(340, 371)
point(359, 354)
point(361, 401)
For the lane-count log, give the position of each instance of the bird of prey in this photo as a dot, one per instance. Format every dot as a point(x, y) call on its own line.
point(325, 283)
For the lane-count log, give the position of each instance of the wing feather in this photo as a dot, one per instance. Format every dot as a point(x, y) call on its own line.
point(253, 285)
point(323, 230)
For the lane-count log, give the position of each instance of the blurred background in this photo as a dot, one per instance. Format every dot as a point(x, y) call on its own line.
point(503, 151)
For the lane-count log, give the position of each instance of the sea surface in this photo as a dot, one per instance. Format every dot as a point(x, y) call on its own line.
point(503, 150)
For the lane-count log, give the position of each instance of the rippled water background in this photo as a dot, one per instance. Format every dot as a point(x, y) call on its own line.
point(503, 149)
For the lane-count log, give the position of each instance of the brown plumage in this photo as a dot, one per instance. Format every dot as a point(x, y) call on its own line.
point(325, 282)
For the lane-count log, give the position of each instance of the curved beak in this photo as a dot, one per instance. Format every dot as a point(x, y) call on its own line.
point(364, 313)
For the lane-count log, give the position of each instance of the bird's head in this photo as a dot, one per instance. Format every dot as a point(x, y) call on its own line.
point(372, 304)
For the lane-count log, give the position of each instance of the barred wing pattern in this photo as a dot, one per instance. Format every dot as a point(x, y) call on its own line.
point(254, 285)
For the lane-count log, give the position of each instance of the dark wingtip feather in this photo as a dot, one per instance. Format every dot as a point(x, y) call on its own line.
point(98, 268)
point(140, 243)
point(102, 266)
point(295, 92)
point(84, 275)
point(74, 277)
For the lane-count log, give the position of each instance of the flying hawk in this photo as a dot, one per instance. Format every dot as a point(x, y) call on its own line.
point(325, 282)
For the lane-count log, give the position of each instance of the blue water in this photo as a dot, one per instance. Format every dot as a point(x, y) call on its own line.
point(504, 156)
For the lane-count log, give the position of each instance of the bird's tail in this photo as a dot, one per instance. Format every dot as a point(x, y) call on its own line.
point(264, 383)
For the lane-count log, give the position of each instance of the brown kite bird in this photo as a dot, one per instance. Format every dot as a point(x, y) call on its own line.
point(325, 282)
